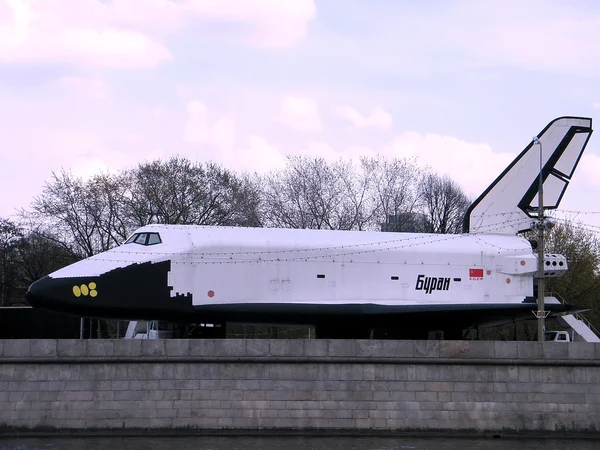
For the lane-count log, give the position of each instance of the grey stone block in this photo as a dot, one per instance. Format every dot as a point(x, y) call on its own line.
point(16, 348)
point(257, 347)
point(185, 372)
point(530, 350)
point(415, 386)
point(202, 347)
point(253, 395)
point(43, 348)
point(385, 372)
point(127, 347)
point(177, 347)
point(579, 375)
point(427, 349)
point(398, 349)
point(462, 387)
point(229, 347)
point(341, 347)
point(160, 371)
point(508, 350)
point(153, 347)
point(592, 375)
point(426, 396)
point(438, 386)
point(368, 347)
point(71, 347)
point(286, 347)
point(120, 385)
point(316, 347)
point(99, 347)
point(30, 372)
point(129, 395)
point(556, 350)
point(433, 373)
point(7, 373)
point(482, 349)
point(582, 350)
point(455, 349)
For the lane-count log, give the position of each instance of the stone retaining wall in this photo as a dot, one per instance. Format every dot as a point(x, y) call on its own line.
point(299, 385)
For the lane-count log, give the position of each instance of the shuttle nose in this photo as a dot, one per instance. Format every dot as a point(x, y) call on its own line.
point(50, 293)
point(136, 291)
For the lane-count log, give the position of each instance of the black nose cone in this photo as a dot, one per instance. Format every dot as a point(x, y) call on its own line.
point(59, 294)
point(43, 293)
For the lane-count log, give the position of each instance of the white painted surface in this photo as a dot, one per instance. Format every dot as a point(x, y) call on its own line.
point(499, 209)
point(262, 265)
point(580, 327)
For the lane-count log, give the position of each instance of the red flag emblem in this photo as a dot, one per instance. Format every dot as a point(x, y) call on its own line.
point(475, 274)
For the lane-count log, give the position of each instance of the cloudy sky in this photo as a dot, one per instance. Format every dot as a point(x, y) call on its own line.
point(92, 85)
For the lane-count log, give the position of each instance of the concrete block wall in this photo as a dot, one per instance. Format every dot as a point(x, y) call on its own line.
point(305, 385)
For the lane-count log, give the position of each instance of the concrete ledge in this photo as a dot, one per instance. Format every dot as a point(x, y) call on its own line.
point(335, 350)
point(42, 432)
point(301, 360)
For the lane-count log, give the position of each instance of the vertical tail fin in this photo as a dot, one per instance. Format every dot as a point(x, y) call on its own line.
point(509, 203)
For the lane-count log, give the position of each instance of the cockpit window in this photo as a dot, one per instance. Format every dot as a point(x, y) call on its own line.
point(144, 239)
point(153, 238)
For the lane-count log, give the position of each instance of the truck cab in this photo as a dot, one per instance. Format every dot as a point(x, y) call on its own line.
point(557, 336)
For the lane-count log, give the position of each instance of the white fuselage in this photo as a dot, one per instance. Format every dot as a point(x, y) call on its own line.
point(225, 265)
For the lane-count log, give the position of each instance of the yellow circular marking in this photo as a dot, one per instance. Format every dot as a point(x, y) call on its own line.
point(84, 289)
point(76, 291)
point(92, 285)
point(93, 293)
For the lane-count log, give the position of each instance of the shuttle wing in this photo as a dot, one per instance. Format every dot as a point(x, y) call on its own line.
point(510, 203)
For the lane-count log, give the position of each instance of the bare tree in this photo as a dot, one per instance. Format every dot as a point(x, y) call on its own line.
point(69, 212)
point(394, 194)
point(88, 217)
point(312, 193)
point(10, 237)
point(38, 256)
point(358, 209)
point(108, 195)
point(443, 203)
point(179, 191)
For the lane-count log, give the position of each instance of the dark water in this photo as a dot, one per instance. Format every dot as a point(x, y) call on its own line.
point(293, 443)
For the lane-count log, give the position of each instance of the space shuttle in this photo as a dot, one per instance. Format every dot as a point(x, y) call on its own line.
point(344, 283)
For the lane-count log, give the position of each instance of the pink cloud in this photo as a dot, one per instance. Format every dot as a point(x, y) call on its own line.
point(133, 33)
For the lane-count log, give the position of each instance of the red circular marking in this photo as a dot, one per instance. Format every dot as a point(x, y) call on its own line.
point(508, 281)
point(211, 293)
point(522, 262)
point(489, 272)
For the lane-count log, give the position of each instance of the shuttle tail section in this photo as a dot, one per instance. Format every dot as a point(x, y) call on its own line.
point(510, 203)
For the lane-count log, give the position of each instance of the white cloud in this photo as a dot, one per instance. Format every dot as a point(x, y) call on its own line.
point(589, 168)
point(596, 105)
point(134, 137)
point(84, 34)
point(88, 167)
point(92, 87)
point(276, 23)
point(255, 155)
point(198, 129)
point(132, 33)
point(533, 34)
point(331, 154)
point(378, 118)
point(300, 114)
point(473, 165)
